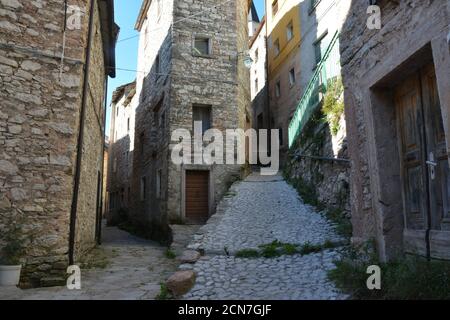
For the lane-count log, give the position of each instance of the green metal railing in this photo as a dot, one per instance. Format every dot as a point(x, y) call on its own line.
point(328, 68)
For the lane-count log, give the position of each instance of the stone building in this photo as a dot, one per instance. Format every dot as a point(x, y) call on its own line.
point(120, 169)
point(397, 98)
point(190, 69)
point(283, 46)
point(54, 63)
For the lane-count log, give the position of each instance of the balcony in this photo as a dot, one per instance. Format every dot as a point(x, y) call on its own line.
point(328, 68)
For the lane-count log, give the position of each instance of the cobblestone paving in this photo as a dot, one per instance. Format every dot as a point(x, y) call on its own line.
point(258, 211)
point(136, 269)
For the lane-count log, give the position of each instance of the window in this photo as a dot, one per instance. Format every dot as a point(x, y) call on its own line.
point(314, 4)
point(203, 114)
point(256, 86)
point(318, 51)
point(157, 66)
point(278, 89)
point(318, 47)
point(115, 165)
point(158, 184)
point(256, 55)
point(117, 111)
point(292, 77)
point(274, 7)
point(202, 46)
point(143, 188)
point(128, 124)
point(276, 47)
point(290, 31)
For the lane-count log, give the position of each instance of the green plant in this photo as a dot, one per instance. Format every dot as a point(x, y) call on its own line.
point(14, 249)
point(247, 253)
point(164, 293)
point(343, 224)
point(333, 105)
point(170, 254)
point(309, 248)
point(407, 278)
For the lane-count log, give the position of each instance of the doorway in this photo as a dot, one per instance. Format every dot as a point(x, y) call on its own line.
point(424, 165)
point(197, 196)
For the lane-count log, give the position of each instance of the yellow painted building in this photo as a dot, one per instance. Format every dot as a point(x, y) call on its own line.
point(283, 39)
point(283, 29)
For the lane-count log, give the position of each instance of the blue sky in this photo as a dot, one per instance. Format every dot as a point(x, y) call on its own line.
point(126, 12)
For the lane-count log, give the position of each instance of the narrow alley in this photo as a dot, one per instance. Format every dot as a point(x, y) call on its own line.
point(257, 212)
point(125, 267)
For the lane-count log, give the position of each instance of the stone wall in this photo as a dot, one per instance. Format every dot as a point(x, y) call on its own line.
point(89, 197)
point(121, 151)
point(39, 121)
point(367, 57)
point(310, 166)
point(167, 92)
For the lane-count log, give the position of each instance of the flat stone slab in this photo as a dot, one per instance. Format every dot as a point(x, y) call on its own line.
point(181, 282)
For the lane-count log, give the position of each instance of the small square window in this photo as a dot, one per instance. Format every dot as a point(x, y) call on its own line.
point(202, 46)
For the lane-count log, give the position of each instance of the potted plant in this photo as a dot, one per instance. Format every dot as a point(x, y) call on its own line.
point(10, 255)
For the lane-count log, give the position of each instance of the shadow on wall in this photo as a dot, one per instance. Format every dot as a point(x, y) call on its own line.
point(149, 196)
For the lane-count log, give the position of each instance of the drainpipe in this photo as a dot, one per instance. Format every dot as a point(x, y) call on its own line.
point(76, 188)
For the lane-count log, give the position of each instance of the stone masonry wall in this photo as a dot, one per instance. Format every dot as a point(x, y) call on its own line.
point(148, 210)
point(219, 80)
point(92, 149)
point(39, 120)
point(327, 181)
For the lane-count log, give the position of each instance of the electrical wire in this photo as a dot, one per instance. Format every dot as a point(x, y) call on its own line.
point(179, 20)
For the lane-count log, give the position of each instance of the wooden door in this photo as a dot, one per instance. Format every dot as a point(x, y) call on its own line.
point(197, 197)
point(424, 161)
point(412, 159)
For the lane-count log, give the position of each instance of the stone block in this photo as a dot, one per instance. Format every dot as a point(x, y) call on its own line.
point(181, 282)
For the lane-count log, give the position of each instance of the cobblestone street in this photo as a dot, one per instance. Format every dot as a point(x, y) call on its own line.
point(134, 270)
point(256, 212)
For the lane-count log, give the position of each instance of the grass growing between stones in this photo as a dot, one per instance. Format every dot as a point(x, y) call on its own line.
point(170, 254)
point(248, 253)
point(277, 249)
point(164, 293)
point(409, 278)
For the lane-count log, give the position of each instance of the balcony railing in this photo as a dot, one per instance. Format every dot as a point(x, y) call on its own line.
point(328, 68)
